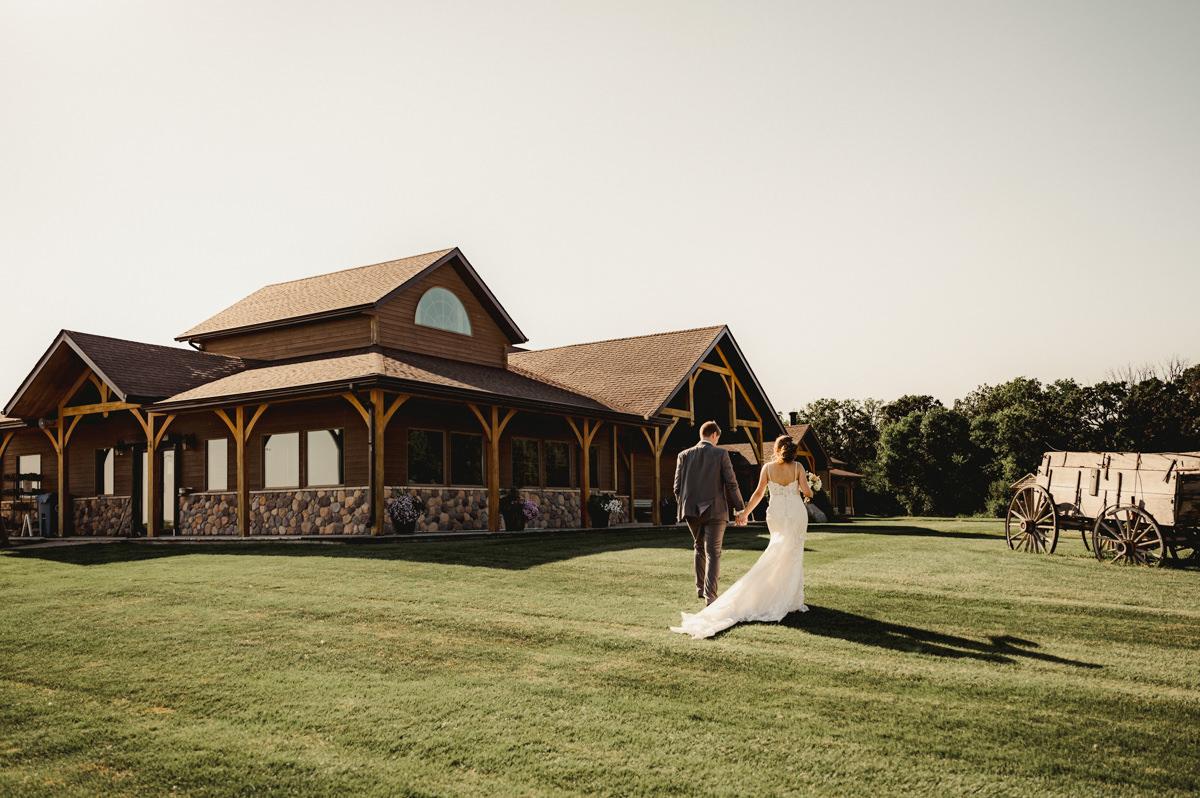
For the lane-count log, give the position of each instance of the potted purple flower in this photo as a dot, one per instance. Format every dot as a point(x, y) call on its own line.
point(516, 511)
point(404, 512)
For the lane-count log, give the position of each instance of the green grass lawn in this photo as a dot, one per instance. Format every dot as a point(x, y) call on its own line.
point(934, 662)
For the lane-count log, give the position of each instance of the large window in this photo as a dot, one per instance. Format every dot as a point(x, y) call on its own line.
point(281, 460)
point(558, 464)
point(466, 459)
point(105, 472)
point(216, 464)
point(526, 467)
point(30, 464)
point(426, 457)
point(442, 310)
point(325, 447)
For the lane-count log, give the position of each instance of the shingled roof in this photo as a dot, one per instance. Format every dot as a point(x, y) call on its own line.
point(637, 375)
point(342, 292)
point(136, 372)
point(396, 367)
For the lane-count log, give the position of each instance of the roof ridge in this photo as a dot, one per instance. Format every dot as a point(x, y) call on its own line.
point(440, 252)
point(625, 338)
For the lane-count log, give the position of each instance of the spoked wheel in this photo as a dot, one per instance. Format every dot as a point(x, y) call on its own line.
point(1031, 523)
point(1128, 535)
point(1087, 539)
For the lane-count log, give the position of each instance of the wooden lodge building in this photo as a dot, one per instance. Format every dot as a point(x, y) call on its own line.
point(302, 408)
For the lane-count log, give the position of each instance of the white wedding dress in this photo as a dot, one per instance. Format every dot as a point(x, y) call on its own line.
point(774, 586)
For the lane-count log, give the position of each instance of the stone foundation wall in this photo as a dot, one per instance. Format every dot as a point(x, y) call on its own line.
point(622, 515)
point(208, 514)
point(446, 509)
point(103, 516)
point(557, 508)
point(313, 511)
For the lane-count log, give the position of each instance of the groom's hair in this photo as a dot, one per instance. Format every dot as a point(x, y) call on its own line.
point(709, 429)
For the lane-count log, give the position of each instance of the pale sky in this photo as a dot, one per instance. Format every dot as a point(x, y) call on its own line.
point(878, 198)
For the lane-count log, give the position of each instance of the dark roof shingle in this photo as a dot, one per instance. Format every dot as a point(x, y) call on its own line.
point(635, 375)
point(405, 366)
point(151, 371)
point(324, 293)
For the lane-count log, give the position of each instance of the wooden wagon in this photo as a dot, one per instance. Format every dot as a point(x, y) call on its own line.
point(1128, 507)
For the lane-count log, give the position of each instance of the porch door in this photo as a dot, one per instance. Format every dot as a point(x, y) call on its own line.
point(166, 468)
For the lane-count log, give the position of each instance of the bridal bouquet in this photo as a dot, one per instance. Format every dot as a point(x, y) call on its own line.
point(814, 482)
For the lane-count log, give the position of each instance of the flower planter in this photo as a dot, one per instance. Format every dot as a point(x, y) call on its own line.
point(406, 528)
point(599, 518)
point(514, 520)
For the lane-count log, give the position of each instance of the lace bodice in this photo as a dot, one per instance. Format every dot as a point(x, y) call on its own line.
point(791, 488)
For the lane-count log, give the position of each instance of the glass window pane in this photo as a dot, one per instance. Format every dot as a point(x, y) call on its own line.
point(593, 467)
point(217, 463)
point(525, 463)
point(441, 309)
point(105, 472)
point(281, 460)
point(466, 459)
point(324, 456)
point(30, 464)
point(426, 457)
point(558, 464)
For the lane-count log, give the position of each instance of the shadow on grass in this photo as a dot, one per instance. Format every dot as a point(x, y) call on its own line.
point(905, 531)
point(829, 622)
point(503, 552)
point(506, 552)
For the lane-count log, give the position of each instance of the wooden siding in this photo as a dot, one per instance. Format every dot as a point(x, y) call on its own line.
point(310, 338)
point(96, 432)
point(32, 441)
point(487, 343)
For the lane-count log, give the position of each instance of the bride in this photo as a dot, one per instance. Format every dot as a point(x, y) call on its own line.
point(774, 586)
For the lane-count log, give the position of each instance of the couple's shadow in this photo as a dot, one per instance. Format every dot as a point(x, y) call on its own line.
point(828, 622)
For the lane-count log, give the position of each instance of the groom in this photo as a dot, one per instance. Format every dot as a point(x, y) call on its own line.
point(705, 486)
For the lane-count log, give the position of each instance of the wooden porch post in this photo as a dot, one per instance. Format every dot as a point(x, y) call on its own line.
point(493, 428)
point(152, 499)
point(377, 420)
point(585, 437)
point(241, 430)
point(658, 443)
point(59, 439)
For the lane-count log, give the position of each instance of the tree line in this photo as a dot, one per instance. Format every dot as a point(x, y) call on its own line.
point(921, 457)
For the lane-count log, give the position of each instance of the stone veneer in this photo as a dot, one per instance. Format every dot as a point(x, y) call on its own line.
point(558, 508)
point(446, 509)
point(463, 509)
point(103, 516)
point(208, 514)
point(331, 511)
point(311, 511)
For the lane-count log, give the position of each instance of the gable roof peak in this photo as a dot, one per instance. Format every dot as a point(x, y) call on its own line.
point(345, 292)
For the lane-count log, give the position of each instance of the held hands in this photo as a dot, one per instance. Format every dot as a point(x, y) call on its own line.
point(741, 518)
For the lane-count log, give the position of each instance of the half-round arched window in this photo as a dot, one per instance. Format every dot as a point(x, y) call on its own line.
point(440, 309)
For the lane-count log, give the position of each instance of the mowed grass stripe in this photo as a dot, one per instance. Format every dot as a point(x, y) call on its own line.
point(544, 666)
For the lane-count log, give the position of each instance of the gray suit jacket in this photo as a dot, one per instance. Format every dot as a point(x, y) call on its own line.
point(705, 485)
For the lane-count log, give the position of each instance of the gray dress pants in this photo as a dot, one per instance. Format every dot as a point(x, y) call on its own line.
point(707, 535)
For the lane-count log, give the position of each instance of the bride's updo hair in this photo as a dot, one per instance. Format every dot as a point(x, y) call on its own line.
point(785, 449)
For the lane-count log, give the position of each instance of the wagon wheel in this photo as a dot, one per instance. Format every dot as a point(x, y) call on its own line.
point(1128, 535)
point(1032, 523)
